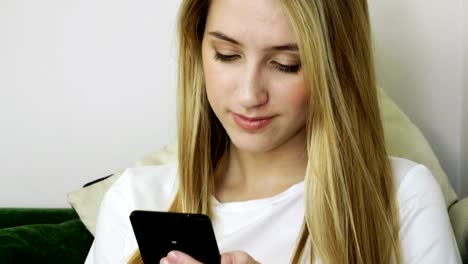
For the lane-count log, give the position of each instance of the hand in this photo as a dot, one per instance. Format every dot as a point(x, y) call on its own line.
point(235, 257)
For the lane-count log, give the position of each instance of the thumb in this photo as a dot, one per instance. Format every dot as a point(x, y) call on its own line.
point(237, 257)
point(177, 257)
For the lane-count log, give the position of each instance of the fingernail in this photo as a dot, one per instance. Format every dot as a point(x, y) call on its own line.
point(164, 261)
point(173, 256)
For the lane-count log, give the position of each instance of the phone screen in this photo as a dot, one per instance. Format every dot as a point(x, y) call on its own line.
point(158, 233)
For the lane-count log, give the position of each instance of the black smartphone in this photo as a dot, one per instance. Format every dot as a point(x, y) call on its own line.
point(158, 233)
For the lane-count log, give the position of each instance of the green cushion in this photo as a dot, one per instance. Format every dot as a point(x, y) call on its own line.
point(10, 217)
point(68, 242)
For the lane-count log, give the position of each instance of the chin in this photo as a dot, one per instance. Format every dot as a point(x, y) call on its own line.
point(252, 143)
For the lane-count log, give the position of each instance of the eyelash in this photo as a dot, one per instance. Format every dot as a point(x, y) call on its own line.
point(280, 67)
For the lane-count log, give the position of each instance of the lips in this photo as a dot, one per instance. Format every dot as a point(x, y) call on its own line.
point(251, 124)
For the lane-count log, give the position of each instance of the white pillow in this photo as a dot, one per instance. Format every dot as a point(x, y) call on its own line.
point(402, 137)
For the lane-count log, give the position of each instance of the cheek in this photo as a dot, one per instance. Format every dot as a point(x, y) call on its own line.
point(294, 95)
point(219, 84)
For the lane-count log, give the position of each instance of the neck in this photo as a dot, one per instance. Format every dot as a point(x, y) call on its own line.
point(248, 175)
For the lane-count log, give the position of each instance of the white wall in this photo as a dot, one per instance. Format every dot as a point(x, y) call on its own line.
point(419, 60)
point(464, 181)
point(87, 87)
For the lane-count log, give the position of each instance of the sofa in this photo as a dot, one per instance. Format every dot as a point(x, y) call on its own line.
point(42, 235)
point(64, 235)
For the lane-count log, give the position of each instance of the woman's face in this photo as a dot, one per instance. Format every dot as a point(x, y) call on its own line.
point(253, 75)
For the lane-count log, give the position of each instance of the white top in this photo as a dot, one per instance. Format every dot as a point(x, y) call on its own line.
point(268, 228)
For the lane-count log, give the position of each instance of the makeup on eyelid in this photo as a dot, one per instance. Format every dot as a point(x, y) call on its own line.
point(286, 68)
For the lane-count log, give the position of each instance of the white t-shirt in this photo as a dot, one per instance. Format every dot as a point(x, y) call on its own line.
point(267, 229)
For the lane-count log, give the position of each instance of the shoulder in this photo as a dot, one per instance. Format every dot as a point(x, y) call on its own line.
point(426, 234)
point(144, 188)
point(416, 187)
point(415, 181)
point(402, 168)
point(148, 187)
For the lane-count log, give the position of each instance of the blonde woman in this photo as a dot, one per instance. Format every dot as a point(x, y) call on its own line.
point(281, 144)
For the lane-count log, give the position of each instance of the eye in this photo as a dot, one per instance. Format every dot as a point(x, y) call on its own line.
point(287, 68)
point(225, 58)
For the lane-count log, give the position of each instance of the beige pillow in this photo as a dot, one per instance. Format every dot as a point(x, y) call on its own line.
point(403, 139)
point(86, 201)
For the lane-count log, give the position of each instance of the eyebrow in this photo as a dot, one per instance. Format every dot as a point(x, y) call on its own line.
point(286, 47)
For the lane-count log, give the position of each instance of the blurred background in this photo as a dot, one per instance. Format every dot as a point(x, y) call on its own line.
point(88, 87)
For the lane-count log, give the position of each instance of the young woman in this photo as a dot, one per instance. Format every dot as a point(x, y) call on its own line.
point(281, 144)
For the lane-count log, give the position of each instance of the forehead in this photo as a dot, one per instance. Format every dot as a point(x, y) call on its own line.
point(255, 21)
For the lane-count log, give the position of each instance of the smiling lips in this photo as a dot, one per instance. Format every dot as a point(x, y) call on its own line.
point(251, 124)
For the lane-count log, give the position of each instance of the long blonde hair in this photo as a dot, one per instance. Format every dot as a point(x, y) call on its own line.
point(351, 213)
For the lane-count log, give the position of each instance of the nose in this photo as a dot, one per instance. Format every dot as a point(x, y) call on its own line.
point(252, 90)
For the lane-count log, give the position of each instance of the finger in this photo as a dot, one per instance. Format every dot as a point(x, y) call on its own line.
point(237, 257)
point(177, 257)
